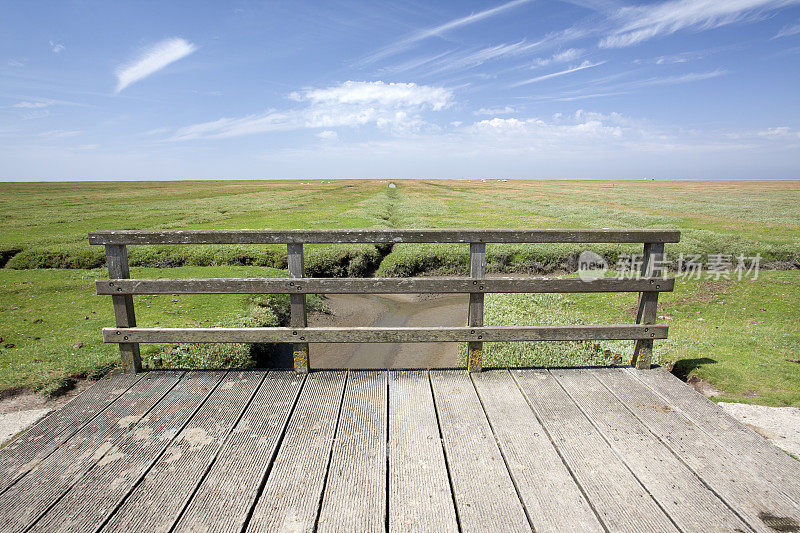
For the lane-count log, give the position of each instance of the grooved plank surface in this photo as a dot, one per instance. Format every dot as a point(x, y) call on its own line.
point(419, 488)
point(682, 495)
point(156, 502)
point(226, 494)
point(484, 492)
point(621, 501)
point(355, 493)
point(93, 498)
point(545, 485)
point(762, 505)
point(30, 448)
point(748, 446)
point(291, 497)
point(503, 450)
point(31, 496)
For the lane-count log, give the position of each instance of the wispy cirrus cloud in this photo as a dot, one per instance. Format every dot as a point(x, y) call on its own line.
point(59, 134)
point(41, 103)
point(636, 24)
point(673, 80)
point(56, 47)
point(408, 42)
point(27, 104)
point(582, 66)
point(479, 57)
point(786, 31)
point(153, 59)
point(393, 106)
point(602, 88)
point(564, 56)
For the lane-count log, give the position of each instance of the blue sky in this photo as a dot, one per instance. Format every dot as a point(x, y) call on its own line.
point(338, 89)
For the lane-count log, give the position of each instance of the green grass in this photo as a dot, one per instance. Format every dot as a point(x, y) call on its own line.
point(735, 335)
point(45, 314)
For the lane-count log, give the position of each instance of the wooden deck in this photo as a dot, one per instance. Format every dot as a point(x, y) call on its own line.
point(559, 450)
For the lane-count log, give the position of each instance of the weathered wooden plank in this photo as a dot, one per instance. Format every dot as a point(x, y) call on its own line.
point(681, 494)
point(25, 501)
point(297, 308)
point(89, 501)
point(388, 334)
point(354, 497)
point(756, 500)
point(156, 502)
point(419, 488)
point(552, 499)
point(226, 494)
point(117, 262)
point(477, 270)
point(775, 465)
point(291, 497)
point(648, 304)
point(309, 236)
point(20, 455)
point(554, 284)
point(485, 497)
point(616, 495)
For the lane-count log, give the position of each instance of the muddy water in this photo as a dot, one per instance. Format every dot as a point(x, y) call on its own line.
point(389, 310)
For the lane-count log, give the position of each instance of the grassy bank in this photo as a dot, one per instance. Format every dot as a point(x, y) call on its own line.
point(51, 323)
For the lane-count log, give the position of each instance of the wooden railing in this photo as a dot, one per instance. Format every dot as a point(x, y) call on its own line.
point(128, 336)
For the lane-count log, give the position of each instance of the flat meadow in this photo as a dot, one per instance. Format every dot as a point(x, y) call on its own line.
point(741, 337)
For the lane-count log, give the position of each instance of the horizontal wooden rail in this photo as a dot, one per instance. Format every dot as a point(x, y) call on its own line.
point(316, 236)
point(380, 334)
point(379, 285)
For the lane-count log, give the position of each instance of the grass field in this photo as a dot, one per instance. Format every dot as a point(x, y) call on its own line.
point(738, 336)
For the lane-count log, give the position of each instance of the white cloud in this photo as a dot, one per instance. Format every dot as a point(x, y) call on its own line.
point(582, 66)
point(540, 131)
point(153, 59)
point(16, 63)
point(56, 47)
point(328, 135)
point(393, 106)
point(786, 31)
point(378, 93)
point(60, 134)
point(37, 113)
point(636, 24)
point(565, 56)
point(441, 29)
point(507, 110)
point(40, 104)
point(779, 132)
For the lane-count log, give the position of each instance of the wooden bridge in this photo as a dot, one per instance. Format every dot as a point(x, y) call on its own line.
point(590, 449)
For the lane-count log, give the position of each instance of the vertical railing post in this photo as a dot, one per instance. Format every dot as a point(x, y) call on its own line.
point(477, 270)
point(117, 261)
point(297, 317)
point(648, 303)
